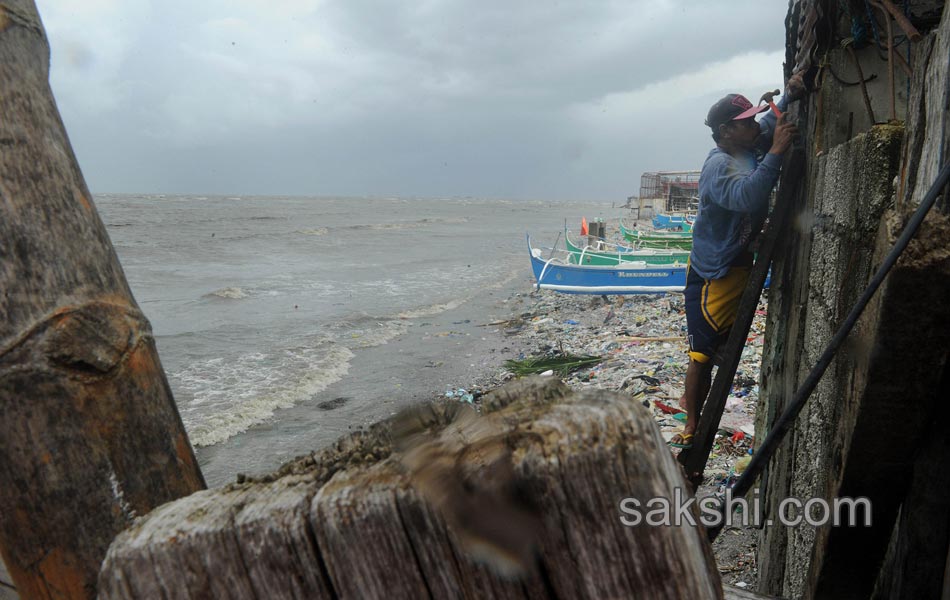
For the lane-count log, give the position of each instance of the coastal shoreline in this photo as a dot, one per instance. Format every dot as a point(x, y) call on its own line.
point(642, 340)
point(452, 350)
point(460, 354)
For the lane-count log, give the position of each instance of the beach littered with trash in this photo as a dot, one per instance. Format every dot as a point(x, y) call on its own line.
point(642, 342)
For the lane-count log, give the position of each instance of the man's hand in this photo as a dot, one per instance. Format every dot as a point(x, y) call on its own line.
point(783, 136)
point(796, 87)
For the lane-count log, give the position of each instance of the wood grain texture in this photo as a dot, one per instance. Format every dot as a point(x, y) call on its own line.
point(89, 434)
point(361, 520)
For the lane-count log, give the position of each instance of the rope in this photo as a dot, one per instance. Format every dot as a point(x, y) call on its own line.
point(787, 420)
point(867, 7)
point(859, 33)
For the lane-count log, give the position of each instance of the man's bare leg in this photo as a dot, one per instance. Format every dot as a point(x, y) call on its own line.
point(698, 380)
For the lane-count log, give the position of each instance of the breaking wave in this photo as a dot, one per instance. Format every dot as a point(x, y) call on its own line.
point(435, 309)
point(367, 331)
point(231, 395)
point(231, 293)
point(432, 309)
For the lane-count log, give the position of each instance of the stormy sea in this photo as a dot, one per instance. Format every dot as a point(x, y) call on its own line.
point(284, 322)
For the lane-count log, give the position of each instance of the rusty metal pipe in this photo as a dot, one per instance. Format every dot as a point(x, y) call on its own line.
point(890, 55)
point(903, 64)
point(902, 21)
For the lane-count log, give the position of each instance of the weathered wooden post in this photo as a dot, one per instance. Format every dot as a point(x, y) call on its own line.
point(535, 483)
point(89, 434)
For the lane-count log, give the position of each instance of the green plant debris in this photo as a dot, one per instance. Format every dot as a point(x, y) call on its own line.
point(562, 364)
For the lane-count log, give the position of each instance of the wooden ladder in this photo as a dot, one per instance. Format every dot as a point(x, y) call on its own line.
point(694, 459)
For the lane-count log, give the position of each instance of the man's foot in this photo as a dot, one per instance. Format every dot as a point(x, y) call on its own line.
point(682, 441)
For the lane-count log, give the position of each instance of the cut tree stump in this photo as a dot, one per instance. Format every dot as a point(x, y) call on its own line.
point(533, 483)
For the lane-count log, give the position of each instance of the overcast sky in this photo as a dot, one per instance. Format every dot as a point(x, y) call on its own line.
point(545, 99)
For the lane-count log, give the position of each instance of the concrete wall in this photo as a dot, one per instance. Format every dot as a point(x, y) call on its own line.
point(849, 189)
point(857, 433)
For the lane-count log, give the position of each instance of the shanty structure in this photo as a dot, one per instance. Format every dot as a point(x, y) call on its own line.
point(668, 191)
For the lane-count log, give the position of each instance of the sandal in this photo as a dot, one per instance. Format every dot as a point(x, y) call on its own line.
point(686, 441)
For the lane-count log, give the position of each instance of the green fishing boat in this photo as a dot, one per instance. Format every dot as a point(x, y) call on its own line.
point(669, 240)
point(612, 254)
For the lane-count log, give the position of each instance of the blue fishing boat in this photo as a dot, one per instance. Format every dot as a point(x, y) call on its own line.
point(556, 273)
point(675, 221)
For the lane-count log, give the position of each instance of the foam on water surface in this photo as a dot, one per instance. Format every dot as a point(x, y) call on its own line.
point(261, 304)
point(228, 396)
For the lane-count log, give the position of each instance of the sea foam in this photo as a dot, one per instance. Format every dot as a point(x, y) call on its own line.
point(228, 396)
point(231, 293)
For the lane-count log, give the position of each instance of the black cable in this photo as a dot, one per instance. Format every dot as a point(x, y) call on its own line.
point(846, 83)
point(761, 458)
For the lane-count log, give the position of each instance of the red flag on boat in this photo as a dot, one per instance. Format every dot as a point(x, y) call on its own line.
point(583, 226)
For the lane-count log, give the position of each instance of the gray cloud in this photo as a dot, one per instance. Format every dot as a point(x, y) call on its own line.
point(514, 99)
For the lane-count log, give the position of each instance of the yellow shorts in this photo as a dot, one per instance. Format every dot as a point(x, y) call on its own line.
point(711, 306)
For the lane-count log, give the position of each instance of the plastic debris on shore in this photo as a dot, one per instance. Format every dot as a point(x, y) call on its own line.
point(460, 394)
point(640, 341)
